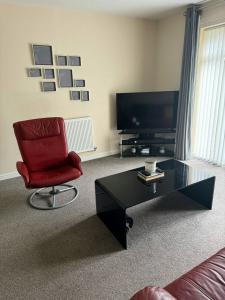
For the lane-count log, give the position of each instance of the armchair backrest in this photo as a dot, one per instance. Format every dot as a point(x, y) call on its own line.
point(42, 143)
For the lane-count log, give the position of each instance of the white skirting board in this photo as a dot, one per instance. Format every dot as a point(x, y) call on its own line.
point(14, 174)
point(100, 155)
point(9, 175)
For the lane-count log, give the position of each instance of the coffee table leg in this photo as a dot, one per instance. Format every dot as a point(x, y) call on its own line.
point(111, 214)
point(201, 192)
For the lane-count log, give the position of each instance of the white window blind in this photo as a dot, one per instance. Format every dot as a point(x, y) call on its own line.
point(209, 116)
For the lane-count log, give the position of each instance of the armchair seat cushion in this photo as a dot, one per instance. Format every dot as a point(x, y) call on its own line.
point(53, 176)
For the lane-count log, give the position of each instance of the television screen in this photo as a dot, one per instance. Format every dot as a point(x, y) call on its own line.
point(148, 110)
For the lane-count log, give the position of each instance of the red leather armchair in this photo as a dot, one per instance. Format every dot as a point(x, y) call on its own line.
point(46, 161)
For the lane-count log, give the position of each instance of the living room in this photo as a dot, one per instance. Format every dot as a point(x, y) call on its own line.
point(127, 47)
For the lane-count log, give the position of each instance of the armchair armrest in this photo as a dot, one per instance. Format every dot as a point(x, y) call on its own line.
point(75, 161)
point(153, 293)
point(23, 171)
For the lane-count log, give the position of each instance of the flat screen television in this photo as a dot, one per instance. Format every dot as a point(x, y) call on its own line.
point(150, 111)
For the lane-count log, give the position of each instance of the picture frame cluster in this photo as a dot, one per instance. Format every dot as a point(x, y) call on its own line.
point(61, 76)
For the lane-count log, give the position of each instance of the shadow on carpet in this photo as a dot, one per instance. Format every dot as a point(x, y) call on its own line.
point(88, 238)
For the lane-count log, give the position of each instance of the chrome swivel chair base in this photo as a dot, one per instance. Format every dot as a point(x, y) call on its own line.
point(47, 200)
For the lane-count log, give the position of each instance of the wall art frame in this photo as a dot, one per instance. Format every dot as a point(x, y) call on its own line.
point(48, 73)
point(65, 78)
point(42, 54)
point(34, 72)
point(74, 60)
point(74, 95)
point(79, 83)
point(48, 86)
point(85, 96)
point(61, 60)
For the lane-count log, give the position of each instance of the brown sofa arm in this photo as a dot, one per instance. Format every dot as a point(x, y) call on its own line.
point(153, 293)
point(23, 171)
point(75, 161)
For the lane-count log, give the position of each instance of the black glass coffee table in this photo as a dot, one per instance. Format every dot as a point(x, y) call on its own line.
point(116, 193)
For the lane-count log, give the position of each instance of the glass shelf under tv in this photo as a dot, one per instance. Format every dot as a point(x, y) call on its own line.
point(156, 146)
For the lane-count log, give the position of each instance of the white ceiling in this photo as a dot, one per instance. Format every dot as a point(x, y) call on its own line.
point(136, 8)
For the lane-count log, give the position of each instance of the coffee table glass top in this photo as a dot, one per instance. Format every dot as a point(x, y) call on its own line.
point(128, 190)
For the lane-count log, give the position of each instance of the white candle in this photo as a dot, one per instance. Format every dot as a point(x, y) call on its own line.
point(150, 166)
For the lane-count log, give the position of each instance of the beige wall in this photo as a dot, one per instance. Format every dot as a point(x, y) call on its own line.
point(117, 55)
point(169, 41)
point(213, 15)
point(169, 44)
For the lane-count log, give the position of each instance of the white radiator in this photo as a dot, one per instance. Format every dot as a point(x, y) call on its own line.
point(79, 134)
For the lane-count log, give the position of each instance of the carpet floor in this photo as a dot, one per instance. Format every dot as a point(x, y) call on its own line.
point(69, 254)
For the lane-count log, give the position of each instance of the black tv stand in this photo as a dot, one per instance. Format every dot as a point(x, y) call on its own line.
point(147, 143)
point(146, 136)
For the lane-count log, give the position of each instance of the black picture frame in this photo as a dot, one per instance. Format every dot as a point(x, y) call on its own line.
point(85, 96)
point(42, 54)
point(34, 72)
point(48, 86)
point(74, 61)
point(74, 95)
point(65, 78)
point(61, 60)
point(48, 73)
point(79, 83)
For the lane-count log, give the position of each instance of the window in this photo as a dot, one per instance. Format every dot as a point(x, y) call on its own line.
point(209, 108)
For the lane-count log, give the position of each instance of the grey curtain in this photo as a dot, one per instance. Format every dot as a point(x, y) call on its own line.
point(183, 133)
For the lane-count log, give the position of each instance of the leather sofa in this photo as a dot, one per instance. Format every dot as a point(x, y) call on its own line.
point(206, 281)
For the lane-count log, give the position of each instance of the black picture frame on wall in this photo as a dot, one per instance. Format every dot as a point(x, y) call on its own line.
point(74, 95)
point(48, 86)
point(42, 54)
point(65, 78)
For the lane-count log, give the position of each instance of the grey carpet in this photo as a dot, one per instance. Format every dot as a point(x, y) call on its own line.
point(69, 253)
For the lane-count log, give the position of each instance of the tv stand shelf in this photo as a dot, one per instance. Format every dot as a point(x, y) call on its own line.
point(134, 141)
point(127, 153)
point(147, 145)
